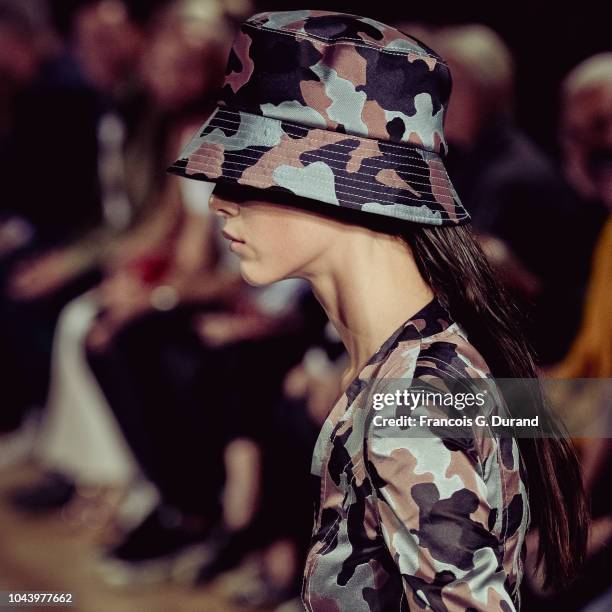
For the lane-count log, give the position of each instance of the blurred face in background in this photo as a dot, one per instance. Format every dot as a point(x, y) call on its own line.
point(465, 113)
point(107, 43)
point(586, 135)
point(26, 41)
point(182, 64)
point(18, 57)
point(482, 70)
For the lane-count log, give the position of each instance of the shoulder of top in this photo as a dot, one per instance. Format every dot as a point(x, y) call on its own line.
point(448, 351)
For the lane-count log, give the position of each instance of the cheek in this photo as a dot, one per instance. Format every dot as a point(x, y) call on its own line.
point(282, 247)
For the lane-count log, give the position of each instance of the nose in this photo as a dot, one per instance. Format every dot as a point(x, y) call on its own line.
point(222, 207)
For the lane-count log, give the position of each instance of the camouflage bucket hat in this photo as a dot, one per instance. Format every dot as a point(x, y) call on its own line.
point(332, 107)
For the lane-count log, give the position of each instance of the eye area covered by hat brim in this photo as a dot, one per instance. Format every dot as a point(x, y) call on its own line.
point(245, 194)
point(347, 171)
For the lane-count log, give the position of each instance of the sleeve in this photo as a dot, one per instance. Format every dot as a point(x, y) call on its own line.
point(434, 511)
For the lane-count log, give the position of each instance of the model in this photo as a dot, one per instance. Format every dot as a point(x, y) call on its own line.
point(327, 149)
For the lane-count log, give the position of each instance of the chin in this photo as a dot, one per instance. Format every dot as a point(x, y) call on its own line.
point(256, 277)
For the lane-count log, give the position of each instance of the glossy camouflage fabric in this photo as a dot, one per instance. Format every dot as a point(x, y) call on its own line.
point(336, 108)
point(409, 523)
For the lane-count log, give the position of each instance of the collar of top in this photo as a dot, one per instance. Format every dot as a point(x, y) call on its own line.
point(430, 320)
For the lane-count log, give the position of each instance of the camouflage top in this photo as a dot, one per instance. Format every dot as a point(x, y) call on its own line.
point(414, 523)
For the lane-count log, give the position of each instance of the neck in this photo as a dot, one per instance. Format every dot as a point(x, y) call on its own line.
point(370, 287)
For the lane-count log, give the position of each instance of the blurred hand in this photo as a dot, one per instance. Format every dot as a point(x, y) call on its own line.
point(121, 289)
point(319, 386)
point(14, 233)
point(323, 393)
point(513, 273)
point(600, 534)
point(216, 329)
point(41, 275)
point(123, 297)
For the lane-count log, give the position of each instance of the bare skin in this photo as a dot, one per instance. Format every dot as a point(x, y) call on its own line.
point(367, 282)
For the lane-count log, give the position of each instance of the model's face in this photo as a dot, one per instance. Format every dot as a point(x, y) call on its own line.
point(273, 241)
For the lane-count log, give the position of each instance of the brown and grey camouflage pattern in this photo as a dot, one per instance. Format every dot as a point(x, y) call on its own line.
point(336, 108)
point(413, 523)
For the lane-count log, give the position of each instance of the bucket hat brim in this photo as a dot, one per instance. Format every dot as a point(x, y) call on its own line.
point(387, 178)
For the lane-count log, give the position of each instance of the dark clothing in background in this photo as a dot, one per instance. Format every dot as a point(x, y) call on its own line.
point(49, 177)
point(514, 193)
point(49, 167)
point(26, 341)
point(561, 304)
point(179, 402)
point(593, 581)
point(284, 509)
point(149, 376)
point(287, 455)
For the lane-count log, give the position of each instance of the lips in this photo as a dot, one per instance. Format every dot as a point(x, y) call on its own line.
point(229, 236)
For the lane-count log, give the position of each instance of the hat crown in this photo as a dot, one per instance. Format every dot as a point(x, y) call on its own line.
point(339, 72)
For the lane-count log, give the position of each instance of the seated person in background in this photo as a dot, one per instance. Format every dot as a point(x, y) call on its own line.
point(586, 130)
point(268, 461)
point(166, 244)
point(74, 91)
point(504, 179)
point(193, 390)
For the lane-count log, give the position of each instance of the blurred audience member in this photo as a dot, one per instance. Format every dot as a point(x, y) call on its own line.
point(587, 147)
point(519, 202)
point(61, 110)
point(277, 540)
point(586, 128)
point(58, 187)
point(162, 257)
point(586, 137)
point(192, 395)
point(26, 40)
point(181, 70)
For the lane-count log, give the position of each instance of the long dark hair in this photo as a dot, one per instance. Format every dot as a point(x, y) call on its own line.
point(452, 262)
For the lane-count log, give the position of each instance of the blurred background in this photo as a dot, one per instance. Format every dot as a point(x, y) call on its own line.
point(158, 416)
